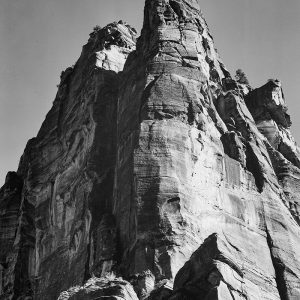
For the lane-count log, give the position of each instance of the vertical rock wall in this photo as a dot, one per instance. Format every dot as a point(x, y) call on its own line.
point(169, 171)
point(192, 162)
point(68, 172)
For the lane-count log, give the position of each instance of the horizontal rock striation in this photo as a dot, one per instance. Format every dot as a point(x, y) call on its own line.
point(269, 110)
point(213, 272)
point(192, 161)
point(155, 165)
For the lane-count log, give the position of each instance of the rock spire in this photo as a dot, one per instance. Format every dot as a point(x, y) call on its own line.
point(155, 176)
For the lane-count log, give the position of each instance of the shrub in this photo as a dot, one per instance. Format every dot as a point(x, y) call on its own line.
point(97, 28)
point(241, 77)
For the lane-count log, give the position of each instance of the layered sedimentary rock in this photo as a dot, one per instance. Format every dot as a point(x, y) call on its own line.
point(169, 172)
point(192, 162)
point(101, 288)
point(68, 172)
point(269, 110)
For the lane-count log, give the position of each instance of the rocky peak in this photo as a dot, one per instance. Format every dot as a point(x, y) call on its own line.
point(175, 31)
point(13, 183)
point(155, 176)
point(268, 103)
point(65, 168)
point(111, 44)
point(118, 34)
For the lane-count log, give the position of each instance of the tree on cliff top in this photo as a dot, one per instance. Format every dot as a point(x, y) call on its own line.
point(241, 77)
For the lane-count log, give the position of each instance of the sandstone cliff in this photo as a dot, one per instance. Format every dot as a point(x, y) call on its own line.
point(67, 173)
point(154, 165)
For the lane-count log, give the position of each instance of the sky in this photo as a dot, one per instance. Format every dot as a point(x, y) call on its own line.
point(40, 38)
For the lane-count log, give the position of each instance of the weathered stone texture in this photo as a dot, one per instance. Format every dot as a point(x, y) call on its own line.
point(16, 239)
point(168, 167)
point(68, 172)
point(180, 178)
point(104, 288)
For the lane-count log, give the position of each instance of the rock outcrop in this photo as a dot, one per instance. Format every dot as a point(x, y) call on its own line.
point(16, 238)
point(101, 288)
point(268, 108)
point(154, 162)
point(67, 173)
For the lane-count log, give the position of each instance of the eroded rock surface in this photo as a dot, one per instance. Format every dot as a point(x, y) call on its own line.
point(101, 288)
point(16, 239)
point(213, 272)
point(168, 167)
point(68, 173)
point(268, 107)
point(179, 176)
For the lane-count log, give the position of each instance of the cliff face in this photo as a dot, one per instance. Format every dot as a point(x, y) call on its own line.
point(153, 164)
point(68, 172)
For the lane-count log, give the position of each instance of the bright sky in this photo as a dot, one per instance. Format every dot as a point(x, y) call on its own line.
point(40, 38)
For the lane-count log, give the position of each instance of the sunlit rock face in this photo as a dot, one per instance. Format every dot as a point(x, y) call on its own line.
point(156, 166)
point(101, 288)
point(192, 163)
point(165, 110)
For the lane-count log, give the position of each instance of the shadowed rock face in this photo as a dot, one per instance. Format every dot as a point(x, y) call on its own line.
point(16, 238)
point(68, 172)
point(133, 171)
point(269, 110)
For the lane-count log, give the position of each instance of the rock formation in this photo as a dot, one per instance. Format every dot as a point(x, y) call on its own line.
point(68, 173)
point(154, 165)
